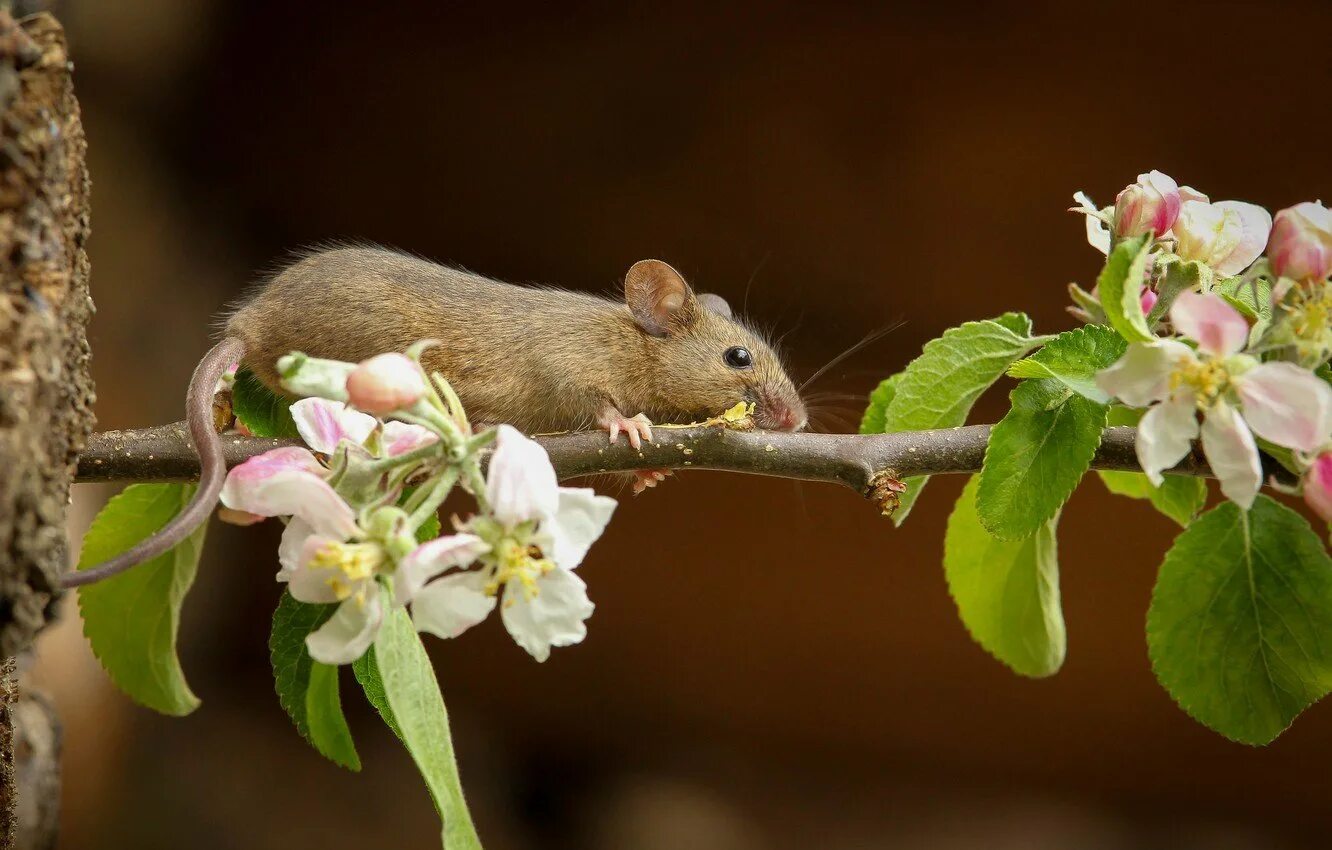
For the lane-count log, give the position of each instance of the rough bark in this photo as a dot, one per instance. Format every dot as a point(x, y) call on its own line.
point(46, 391)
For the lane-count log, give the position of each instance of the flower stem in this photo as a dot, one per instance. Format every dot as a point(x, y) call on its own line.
point(435, 496)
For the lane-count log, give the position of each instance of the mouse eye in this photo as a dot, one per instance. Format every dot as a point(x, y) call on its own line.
point(738, 358)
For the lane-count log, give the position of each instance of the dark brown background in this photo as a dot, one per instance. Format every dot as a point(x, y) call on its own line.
point(770, 665)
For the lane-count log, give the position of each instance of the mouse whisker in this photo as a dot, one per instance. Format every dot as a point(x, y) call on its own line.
point(873, 336)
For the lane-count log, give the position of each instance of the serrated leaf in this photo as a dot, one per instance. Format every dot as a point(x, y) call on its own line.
point(1240, 625)
point(132, 619)
point(875, 419)
point(1035, 457)
point(938, 388)
point(417, 707)
point(261, 410)
point(1179, 497)
point(1120, 288)
point(1007, 592)
point(1252, 296)
point(366, 669)
point(1073, 358)
point(307, 689)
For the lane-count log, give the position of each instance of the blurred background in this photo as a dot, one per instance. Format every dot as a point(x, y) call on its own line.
point(770, 664)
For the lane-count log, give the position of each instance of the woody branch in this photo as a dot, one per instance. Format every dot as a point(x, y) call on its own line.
point(868, 464)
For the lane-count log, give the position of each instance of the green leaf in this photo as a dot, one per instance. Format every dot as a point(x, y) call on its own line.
point(417, 707)
point(1240, 626)
point(1007, 592)
point(1073, 358)
point(1252, 296)
point(1036, 455)
point(938, 388)
point(1179, 276)
point(875, 419)
point(366, 669)
point(1179, 497)
point(307, 689)
point(265, 413)
point(131, 619)
point(1120, 288)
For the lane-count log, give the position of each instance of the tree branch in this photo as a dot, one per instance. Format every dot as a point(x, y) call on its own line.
point(869, 464)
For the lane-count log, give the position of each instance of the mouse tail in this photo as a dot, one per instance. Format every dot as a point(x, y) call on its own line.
point(212, 469)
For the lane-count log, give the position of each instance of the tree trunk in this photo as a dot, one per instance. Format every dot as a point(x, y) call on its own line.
point(46, 392)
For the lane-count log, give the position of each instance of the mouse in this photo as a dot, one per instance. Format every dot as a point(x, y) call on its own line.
point(539, 358)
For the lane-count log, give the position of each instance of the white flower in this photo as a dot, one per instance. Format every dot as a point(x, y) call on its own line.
point(1237, 396)
point(1227, 235)
point(536, 535)
point(323, 425)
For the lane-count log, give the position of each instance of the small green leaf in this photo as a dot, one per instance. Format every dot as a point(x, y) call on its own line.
point(367, 673)
point(938, 388)
point(1240, 626)
point(1036, 455)
point(131, 619)
point(1252, 296)
point(1179, 497)
point(307, 689)
point(1073, 358)
point(1120, 288)
point(265, 413)
point(1179, 276)
point(1007, 592)
point(412, 695)
point(875, 418)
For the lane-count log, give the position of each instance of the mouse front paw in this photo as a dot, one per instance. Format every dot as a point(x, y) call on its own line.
point(636, 428)
point(645, 478)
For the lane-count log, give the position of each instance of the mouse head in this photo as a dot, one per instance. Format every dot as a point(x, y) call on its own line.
point(704, 354)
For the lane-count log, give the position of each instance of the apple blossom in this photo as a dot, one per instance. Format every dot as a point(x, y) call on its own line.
point(1237, 396)
point(1150, 205)
point(1227, 235)
point(1318, 486)
point(385, 383)
point(535, 535)
point(1301, 245)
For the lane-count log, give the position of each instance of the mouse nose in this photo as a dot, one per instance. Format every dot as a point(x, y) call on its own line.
point(786, 417)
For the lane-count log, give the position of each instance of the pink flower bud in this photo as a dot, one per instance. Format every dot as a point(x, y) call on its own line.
point(1318, 486)
point(1301, 244)
point(1148, 301)
point(385, 383)
point(1149, 206)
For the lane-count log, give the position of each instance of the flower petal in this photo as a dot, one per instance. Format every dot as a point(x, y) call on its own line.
point(449, 606)
point(286, 482)
point(311, 584)
point(1287, 405)
point(323, 424)
point(289, 548)
point(554, 617)
point(1318, 486)
point(578, 521)
point(1218, 327)
point(520, 484)
point(400, 437)
point(1098, 233)
point(1166, 434)
point(1232, 453)
point(349, 632)
point(1257, 226)
point(1142, 375)
point(432, 558)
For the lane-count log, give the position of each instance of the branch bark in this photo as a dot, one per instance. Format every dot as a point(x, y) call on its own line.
point(867, 464)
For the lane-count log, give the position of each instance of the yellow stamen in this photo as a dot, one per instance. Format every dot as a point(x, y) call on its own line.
point(351, 565)
point(522, 565)
point(1208, 378)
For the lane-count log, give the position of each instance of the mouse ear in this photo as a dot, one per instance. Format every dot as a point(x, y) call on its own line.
point(658, 297)
point(716, 304)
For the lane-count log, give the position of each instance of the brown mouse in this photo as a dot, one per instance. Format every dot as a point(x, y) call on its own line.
point(539, 358)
